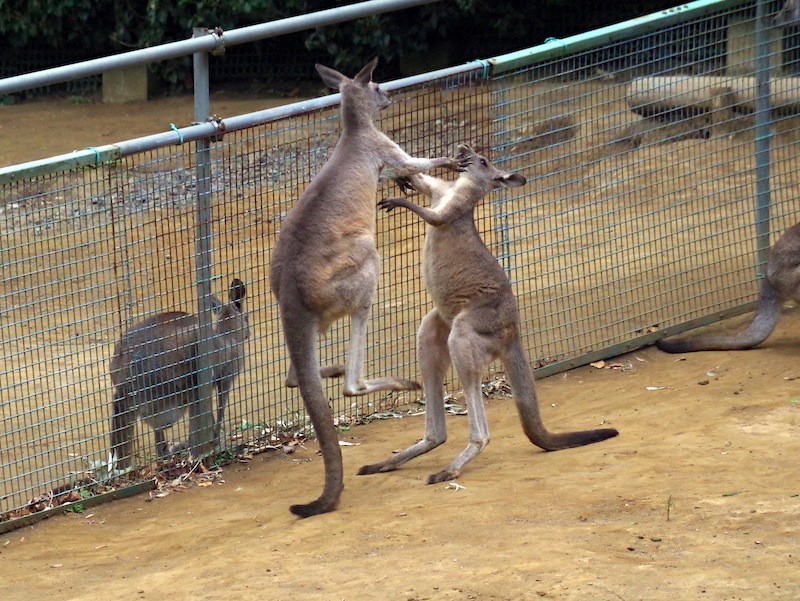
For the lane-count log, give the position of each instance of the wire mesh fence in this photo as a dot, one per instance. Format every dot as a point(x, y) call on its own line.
point(638, 218)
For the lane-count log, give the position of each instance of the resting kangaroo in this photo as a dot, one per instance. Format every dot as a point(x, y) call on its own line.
point(781, 283)
point(475, 319)
point(325, 264)
point(154, 371)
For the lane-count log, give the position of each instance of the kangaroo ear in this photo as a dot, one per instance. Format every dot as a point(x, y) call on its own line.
point(331, 77)
point(464, 150)
point(512, 180)
point(365, 75)
point(237, 292)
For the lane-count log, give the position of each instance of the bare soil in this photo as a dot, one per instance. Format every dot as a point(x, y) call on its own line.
point(696, 499)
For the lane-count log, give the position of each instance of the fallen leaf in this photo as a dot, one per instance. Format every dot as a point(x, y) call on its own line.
point(345, 443)
point(598, 364)
point(655, 388)
point(204, 484)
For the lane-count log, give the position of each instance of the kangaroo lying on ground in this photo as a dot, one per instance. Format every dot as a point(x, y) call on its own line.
point(475, 319)
point(154, 371)
point(325, 264)
point(781, 283)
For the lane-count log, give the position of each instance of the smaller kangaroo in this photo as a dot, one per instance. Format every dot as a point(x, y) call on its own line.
point(475, 319)
point(154, 371)
point(781, 283)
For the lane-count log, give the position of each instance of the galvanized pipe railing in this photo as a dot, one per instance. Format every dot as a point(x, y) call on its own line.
point(212, 41)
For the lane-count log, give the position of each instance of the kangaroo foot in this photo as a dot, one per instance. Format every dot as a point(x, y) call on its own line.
point(329, 371)
point(391, 384)
point(314, 508)
point(443, 476)
point(375, 468)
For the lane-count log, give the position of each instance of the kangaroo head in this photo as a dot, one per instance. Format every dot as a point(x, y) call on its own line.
point(231, 317)
point(365, 95)
point(487, 175)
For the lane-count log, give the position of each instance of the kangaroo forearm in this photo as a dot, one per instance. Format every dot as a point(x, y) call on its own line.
point(425, 184)
point(409, 165)
point(429, 216)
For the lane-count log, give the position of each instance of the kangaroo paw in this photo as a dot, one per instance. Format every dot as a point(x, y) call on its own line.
point(443, 476)
point(315, 508)
point(394, 384)
point(177, 447)
point(332, 371)
point(375, 468)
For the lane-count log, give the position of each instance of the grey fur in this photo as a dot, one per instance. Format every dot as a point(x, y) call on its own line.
point(325, 263)
point(782, 283)
point(154, 371)
point(475, 319)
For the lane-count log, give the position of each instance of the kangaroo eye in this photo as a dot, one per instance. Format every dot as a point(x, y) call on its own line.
point(484, 163)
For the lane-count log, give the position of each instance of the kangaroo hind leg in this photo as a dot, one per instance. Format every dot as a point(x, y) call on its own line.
point(326, 371)
point(434, 359)
point(300, 330)
point(471, 353)
point(354, 384)
point(123, 420)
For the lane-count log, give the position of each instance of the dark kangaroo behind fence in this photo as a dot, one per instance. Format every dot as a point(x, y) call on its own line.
point(325, 263)
point(155, 375)
point(781, 283)
point(475, 319)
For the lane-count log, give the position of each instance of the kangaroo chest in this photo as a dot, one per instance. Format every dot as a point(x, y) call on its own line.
point(459, 271)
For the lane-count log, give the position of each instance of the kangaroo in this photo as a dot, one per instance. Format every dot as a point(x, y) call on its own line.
point(325, 263)
point(154, 371)
point(781, 283)
point(475, 319)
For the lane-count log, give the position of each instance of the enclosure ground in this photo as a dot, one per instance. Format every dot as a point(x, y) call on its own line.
point(696, 499)
point(39, 129)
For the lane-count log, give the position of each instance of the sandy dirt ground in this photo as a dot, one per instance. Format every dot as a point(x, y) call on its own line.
point(696, 499)
point(39, 129)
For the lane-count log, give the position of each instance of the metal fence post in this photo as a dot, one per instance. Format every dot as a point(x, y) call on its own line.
point(201, 416)
point(499, 126)
point(763, 120)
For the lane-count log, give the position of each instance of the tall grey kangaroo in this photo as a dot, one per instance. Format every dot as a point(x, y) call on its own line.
point(325, 263)
point(781, 283)
point(475, 319)
point(154, 371)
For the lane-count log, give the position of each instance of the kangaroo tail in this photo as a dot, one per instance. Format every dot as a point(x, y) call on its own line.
point(763, 324)
point(520, 376)
point(300, 331)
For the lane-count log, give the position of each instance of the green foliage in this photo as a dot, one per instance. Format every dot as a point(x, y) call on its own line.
point(43, 22)
point(475, 29)
point(390, 36)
